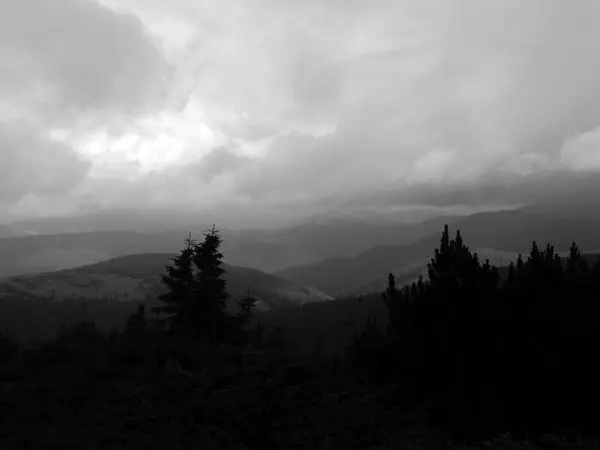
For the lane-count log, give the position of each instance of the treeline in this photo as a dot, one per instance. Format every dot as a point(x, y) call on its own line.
point(490, 356)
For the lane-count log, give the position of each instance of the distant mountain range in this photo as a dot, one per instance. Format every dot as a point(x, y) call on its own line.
point(137, 277)
point(313, 242)
point(505, 231)
point(264, 250)
point(336, 256)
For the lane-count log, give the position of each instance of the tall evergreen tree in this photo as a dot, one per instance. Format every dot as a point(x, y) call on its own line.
point(209, 308)
point(197, 290)
point(209, 272)
point(180, 283)
point(247, 303)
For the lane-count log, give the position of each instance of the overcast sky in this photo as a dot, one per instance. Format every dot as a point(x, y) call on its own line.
point(265, 105)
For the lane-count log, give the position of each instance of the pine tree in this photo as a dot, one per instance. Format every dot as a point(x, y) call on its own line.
point(575, 263)
point(520, 262)
point(210, 274)
point(453, 265)
point(181, 286)
point(197, 295)
point(246, 304)
point(209, 311)
point(395, 304)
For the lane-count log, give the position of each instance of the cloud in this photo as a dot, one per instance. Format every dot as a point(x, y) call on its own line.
point(582, 153)
point(67, 67)
point(450, 99)
point(219, 161)
point(35, 165)
point(64, 59)
point(270, 104)
point(559, 187)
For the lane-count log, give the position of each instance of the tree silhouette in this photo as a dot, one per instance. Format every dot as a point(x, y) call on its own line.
point(196, 296)
point(247, 303)
point(500, 356)
point(180, 282)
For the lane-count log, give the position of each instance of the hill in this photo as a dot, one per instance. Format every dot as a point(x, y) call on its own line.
point(312, 242)
point(137, 277)
point(266, 250)
point(44, 253)
point(504, 231)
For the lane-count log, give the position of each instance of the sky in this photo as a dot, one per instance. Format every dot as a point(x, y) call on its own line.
point(292, 107)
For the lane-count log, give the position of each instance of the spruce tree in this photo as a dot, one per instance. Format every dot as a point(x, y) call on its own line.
point(247, 303)
point(396, 304)
point(209, 308)
point(209, 273)
point(181, 286)
point(197, 294)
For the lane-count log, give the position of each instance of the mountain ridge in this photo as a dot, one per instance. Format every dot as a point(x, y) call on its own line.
point(137, 277)
point(510, 231)
point(265, 250)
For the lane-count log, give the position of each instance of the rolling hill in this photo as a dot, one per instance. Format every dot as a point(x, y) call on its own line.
point(309, 243)
point(44, 253)
point(137, 277)
point(265, 250)
point(505, 231)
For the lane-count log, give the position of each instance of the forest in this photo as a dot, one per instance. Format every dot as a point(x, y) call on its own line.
point(470, 356)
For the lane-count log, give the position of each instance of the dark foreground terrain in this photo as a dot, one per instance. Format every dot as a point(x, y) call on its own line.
point(467, 357)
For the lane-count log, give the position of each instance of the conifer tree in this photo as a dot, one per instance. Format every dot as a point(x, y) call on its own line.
point(520, 262)
point(196, 297)
point(575, 263)
point(181, 285)
point(511, 272)
point(247, 303)
point(208, 310)
point(454, 266)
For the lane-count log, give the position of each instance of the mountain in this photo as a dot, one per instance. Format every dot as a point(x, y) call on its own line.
point(266, 250)
point(51, 252)
point(8, 231)
point(137, 277)
point(313, 242)
point(44, 253)
point(507, 231)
